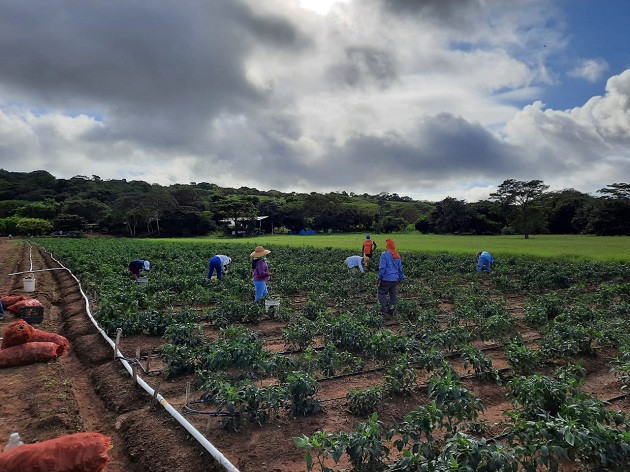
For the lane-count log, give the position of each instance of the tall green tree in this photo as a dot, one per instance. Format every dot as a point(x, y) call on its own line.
point(561, 209)
point(523, 198)
point(619, 191)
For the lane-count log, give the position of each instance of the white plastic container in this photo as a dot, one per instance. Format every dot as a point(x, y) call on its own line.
point(29, 284)
point(14, 441)
point(272, 303)
point(142, 280)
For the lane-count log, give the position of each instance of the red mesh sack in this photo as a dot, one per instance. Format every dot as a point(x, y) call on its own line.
point(79, 452)
point(17, 306)
point(29, 353)
point(9, 300)
point(45, 336)
point(18, 332)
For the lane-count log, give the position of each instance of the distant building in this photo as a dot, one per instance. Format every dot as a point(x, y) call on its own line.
point(243, 225)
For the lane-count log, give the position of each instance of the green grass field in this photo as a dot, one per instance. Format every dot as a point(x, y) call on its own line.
point(564, 247)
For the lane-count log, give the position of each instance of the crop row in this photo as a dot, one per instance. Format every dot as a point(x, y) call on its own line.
point(331, 326)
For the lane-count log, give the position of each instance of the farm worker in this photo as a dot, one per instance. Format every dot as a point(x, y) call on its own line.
point(260, 271)
point(357, 261)
point(219, 263)
point(1, 311)
point(390, 274)
point(484, 259)
point(368, 247)
point(135, 267)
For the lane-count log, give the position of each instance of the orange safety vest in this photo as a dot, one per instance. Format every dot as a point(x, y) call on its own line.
point(367, 247)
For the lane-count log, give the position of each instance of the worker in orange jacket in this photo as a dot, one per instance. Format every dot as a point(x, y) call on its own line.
point(369, 247)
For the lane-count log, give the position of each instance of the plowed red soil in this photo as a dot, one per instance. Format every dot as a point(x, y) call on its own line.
point(88, 390)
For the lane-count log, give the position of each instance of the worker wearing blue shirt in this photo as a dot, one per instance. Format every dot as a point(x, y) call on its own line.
point(390, 274)
point(357, 261)
point(219, 263)
point(484, 261)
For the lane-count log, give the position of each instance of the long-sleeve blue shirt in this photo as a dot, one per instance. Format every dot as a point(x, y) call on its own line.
point(485, 259)
point(390, 269)
point(355, 261)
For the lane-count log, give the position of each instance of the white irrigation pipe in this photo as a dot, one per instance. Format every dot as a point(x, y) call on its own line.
point(207, 445)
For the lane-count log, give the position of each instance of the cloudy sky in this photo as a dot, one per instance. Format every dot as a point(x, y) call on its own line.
point(425, 98)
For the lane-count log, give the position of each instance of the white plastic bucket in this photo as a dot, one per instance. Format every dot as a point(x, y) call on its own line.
point(29, 284)
point(269, 303)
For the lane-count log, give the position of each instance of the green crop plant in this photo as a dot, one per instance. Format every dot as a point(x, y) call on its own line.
point(366, 445)
point(567, 338)
point(179, 359)
point(263, 403)
point(366, 401)
point(320, 446)
point(481, 364)
point(539, 394)
point(302, 389)
point(523, 359)
point(298, 334)
point(466, 453)
point(384, 344)
point(456, 402)
point(188, 334)
point(622, 368)
point(497, 327)
point(540, 309)
point(401, 377)
point(331, 361)
point(422, 421)
point(344, 330)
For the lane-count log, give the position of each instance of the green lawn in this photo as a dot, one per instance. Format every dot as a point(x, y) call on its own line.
point(567, 247)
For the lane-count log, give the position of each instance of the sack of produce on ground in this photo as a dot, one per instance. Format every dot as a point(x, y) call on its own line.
point(18, 332)
point(17, 307)
point(9, 300)
point(79, 452)
point(45, 336)
point(29, 353)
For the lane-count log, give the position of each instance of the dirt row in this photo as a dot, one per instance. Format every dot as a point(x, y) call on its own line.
point(86, 389)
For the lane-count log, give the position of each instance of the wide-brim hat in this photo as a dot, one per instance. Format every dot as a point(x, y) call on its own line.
point(146, 265)
point(259, 252)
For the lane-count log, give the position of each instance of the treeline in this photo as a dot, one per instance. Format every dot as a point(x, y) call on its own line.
point(37, 203)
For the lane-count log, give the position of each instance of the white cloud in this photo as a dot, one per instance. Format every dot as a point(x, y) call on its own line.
point(418, 98)
point(590, 70)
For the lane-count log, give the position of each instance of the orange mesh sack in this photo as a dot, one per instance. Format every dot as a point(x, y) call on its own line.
point(17, 306)
point(9, 300)
point(79, 452)
point(40, 335)
point(18, 332)
point(29, 353)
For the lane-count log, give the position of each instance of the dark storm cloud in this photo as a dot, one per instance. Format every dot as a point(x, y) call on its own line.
point(448, 12)
point(365, 66)
point(154, 73)
point(441, 148)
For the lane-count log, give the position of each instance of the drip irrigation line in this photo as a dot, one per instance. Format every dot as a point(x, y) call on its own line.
point(210, 413)
point(36, 270)
point(331, 399)
point(617, 398)
point(207, 445)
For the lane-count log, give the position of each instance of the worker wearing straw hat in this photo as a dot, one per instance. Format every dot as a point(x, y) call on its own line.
point(260, 271)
